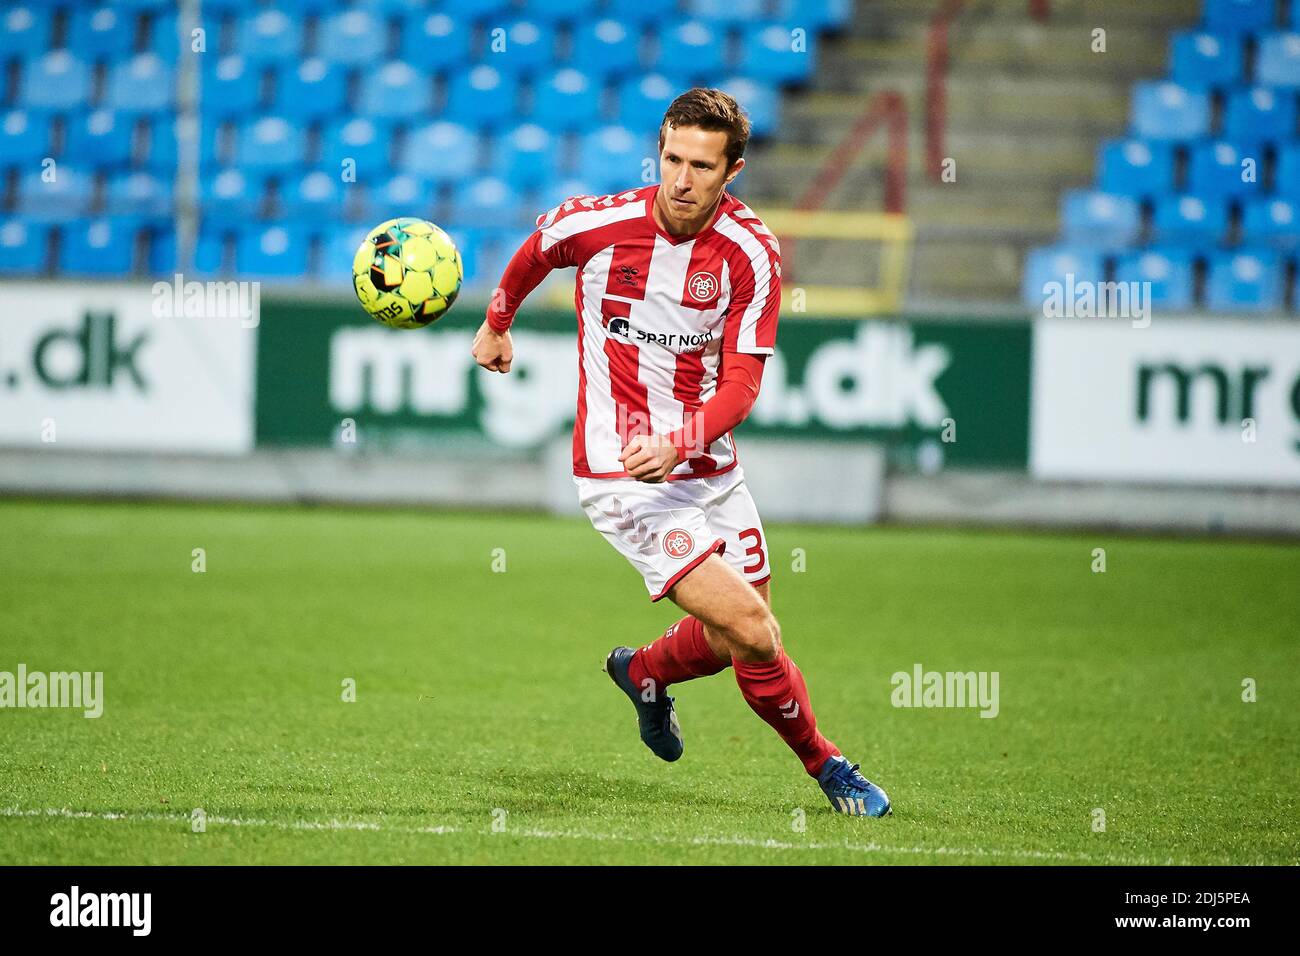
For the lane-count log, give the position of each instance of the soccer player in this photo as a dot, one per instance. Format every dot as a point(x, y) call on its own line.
point(678, 291)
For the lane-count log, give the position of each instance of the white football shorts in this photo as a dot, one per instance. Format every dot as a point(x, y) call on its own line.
point(668, 528)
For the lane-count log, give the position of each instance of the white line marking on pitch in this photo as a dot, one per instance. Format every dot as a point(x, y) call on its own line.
point(534, 834)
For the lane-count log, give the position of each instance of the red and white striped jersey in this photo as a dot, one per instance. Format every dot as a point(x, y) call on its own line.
point(657, 315)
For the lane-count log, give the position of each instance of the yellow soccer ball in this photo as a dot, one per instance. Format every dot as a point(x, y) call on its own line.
point(407, 273)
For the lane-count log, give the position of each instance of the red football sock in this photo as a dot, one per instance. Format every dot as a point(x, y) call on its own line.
point(776, 692)
point(681, 654)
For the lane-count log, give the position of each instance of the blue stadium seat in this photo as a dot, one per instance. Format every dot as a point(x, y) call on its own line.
point(643, 100)
point(1136, 167)
point(1287, 177)
point(769, 53)
point(483, 97)
point(814, 14)
point(208, 259)
point(269, 36)
point(727, 11)
point(435, 41)
point(24, 138)
point(272, 144)
point(526, 156)
point(396, 91)
point(101, 246)
point(24, 30)
point(563, 11)
point(230, 88)
point(1238, 16)
point(339, 250)
point(152, 5)
point(1170, 272)
point(69, 194)
point(363, 141)
point(480, 10)
point(442, 151)
point(567, 100)
point(401, 195)
point(487, 201)
point(160, 149)
point(760, 101)
point(311, 90)
point(635, 12)
point(1259, 114)
point(272, 251)
point(55, 81)
point(316, 194)
point(1163, 110)
point(313, 7)
point(142, 84)
point(23, 246)
point(229, 197)
point(1246, 281)
point(217, 142)
point(353, 37)
point(101, 33)
point(101, 139)
point(165, 39)
point(138, 194)
point(468, 241)
point(529, 46)
point(1274, 222)
point(1277, 63)
point(613, 158)
point(1215, 170)
point(607, 48)
point(1204, 60)
point(1189, 221)
point(693, 49)
point(1054, 264)
point(1101, 220)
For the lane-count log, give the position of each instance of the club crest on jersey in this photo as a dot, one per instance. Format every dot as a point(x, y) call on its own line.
point(702, 286)
point(678, 543)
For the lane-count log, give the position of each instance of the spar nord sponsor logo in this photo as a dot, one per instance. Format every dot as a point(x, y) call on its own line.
point(91, 355)
point(75, 908)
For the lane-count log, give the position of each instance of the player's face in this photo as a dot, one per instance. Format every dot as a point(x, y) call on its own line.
point(693, 170)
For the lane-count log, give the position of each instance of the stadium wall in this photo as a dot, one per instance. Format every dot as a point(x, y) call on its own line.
point(121, 389)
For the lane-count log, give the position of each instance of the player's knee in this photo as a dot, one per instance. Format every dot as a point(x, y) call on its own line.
point(755, 635)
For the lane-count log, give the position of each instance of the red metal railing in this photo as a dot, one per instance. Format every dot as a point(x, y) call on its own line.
point(936, 79)
point(886, 107)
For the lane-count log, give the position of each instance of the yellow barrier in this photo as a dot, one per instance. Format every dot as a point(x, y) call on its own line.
point(894, 231)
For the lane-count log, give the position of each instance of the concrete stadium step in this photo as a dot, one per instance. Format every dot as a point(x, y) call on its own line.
point(1159, 14)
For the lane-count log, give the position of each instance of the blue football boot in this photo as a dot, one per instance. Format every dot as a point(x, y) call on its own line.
point(850, 792)
point(657, 719)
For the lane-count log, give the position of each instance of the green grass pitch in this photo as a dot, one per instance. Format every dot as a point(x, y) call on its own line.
point(484, 730)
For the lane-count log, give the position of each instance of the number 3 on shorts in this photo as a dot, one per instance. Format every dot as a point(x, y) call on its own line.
point(755, 549)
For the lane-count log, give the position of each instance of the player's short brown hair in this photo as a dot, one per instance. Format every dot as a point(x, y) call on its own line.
point(711, 110)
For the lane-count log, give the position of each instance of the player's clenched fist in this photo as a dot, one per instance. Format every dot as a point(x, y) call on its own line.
point(649, 458)
point(493, 350)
